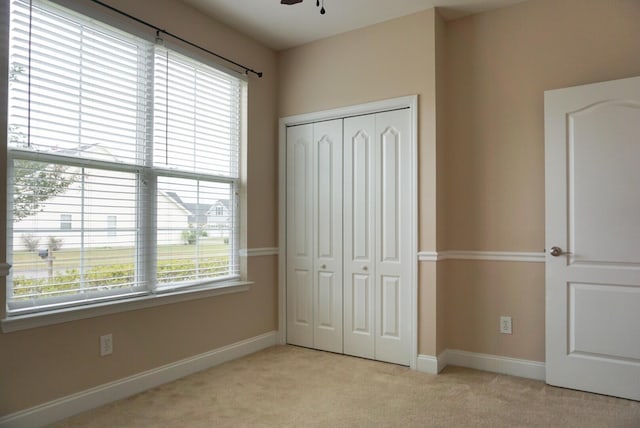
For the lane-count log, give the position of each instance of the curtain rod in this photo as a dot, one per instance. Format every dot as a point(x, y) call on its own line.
point(246, 69)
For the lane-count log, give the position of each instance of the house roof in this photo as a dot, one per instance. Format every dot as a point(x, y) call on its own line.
point(197, 209)
point(193, 209)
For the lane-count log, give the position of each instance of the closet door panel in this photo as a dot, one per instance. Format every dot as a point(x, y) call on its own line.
point(361, 314)
point(393, 232)
point(327, 235)
point(360, 197)
point(389, 192)
point(301, 289)
point(300, 274)
point(359, 236)
point(390, 307)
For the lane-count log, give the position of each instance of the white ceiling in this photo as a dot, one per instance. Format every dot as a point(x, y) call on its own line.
point(282, 26)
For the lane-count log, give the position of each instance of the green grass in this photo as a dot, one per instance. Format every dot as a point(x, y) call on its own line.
point(70, 258)
point(112, 268)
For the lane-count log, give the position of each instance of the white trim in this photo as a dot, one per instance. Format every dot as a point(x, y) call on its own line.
point(413, 304)
point(443, 360)
point(498, 256)
point(282, 232)
point(40, 319)
point(4, 269)
point(430, 364)
point(497, 364)
point(355, 110)
point(427, 364)
point(70, 405)
point(255, 252)
point(410, 102)
point(429, 256)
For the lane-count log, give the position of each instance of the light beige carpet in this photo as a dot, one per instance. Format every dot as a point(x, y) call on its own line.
point(289, 386)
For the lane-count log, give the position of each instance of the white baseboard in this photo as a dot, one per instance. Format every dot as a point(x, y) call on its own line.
point(427, 364)
point(65, 407)
point(495, 363)
point(431, 364)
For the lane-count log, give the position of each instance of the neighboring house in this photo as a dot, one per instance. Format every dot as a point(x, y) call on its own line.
point(108, 221)
point(220, 218)
point(108, 215)
point(216, 219)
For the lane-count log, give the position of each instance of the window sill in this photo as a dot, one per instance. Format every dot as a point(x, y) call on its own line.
point(24, 322)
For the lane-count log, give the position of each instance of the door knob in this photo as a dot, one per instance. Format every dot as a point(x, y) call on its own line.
point(555, 251)
point(365, 268)
point(323, 267)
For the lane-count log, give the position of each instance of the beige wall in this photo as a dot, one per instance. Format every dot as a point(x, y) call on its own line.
point(42, 364)
point(498, 66)
point(387, 60)
point(478, 292)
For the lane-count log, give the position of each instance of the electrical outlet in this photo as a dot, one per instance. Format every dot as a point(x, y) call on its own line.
point(106, 345)
point(505, 325)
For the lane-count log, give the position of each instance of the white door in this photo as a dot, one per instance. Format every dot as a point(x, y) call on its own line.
point(393, 236)
point(378, 255)
point(314, 235)
point(327, 237)
point(592, 146)
point(359, 243)
point(300, 271)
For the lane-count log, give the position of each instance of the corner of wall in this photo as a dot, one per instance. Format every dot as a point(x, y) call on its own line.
point(441, 146)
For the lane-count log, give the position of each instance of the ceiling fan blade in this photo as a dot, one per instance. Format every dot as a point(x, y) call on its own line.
point(290, 1)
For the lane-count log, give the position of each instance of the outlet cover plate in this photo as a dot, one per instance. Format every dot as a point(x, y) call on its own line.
point(106, 345)
point(505, 325)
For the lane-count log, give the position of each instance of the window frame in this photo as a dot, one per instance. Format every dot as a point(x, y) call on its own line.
point(154, 295)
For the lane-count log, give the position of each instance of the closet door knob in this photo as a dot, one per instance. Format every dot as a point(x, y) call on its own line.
point(365, 268)
point(323, 267)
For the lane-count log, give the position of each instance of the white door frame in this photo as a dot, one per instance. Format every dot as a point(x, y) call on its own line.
point(410, 102)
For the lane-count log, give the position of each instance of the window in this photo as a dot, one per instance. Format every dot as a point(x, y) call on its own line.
point(122, 135)
point(65, 221)
point(112, 224)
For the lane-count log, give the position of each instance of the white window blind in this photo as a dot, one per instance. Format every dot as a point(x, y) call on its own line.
point(104, 125)
point(196, 116)
point(77, 87)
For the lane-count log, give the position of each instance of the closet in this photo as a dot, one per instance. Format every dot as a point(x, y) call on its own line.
point(350, 256)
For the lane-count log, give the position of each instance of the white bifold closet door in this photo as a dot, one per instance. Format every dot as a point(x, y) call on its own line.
point(314, 235)
point(377, 236)
point(349, 256)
